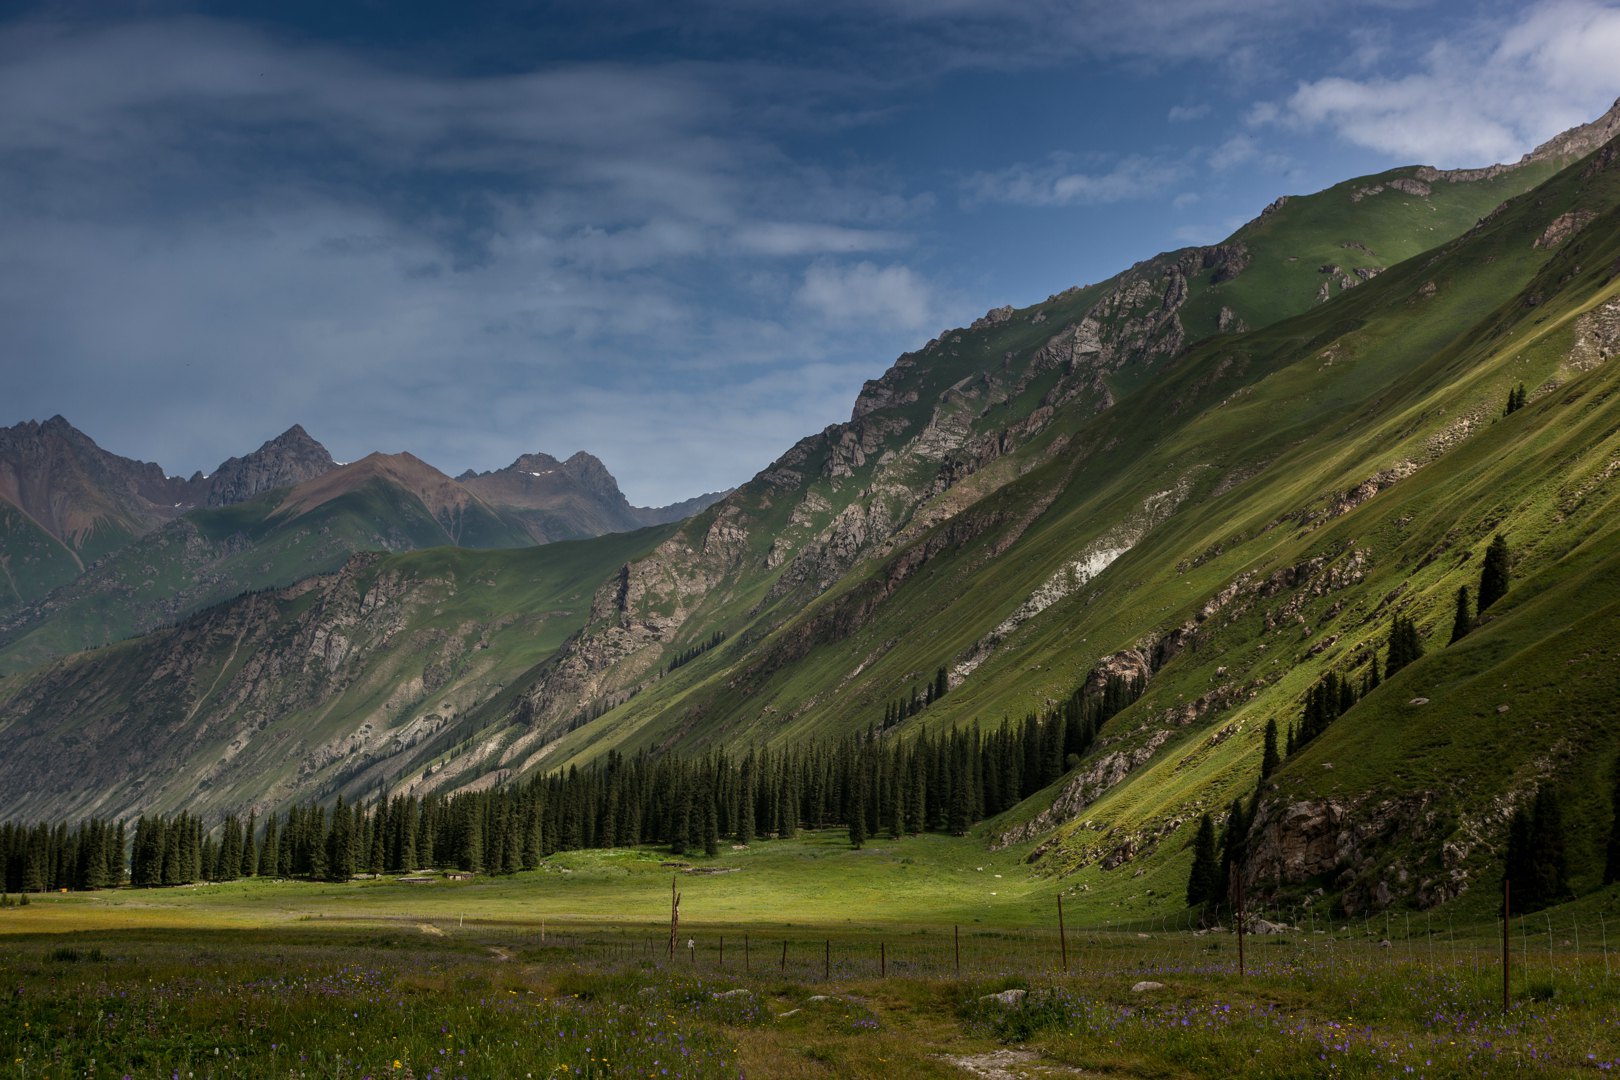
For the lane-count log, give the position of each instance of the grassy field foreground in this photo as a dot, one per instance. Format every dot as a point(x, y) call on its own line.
point(810, 960)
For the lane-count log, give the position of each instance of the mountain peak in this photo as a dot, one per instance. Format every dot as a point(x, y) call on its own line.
point(290, 458)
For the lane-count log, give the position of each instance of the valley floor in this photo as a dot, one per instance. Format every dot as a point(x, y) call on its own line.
point(793, 959)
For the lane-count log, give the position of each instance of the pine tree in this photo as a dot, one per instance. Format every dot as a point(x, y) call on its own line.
point(1493, 575)
point(857, 822)
point(1611, 866)
point(1405, 645)
point(250, 860)
point(711, 829)
point(1515, 400)
point(1268, 760)
point(1234, 846)
point(1518, 866)
point(1463, 620)
point(1548, 864)
point(1203, 881)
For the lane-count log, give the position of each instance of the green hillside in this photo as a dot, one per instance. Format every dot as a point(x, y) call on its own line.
point(340, 682)
point(1045, 497)
point(210, 555)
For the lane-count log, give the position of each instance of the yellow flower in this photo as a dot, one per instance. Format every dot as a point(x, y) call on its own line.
point(396, 1063)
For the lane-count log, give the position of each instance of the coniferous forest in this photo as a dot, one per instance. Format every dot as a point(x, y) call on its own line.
point(874, 784)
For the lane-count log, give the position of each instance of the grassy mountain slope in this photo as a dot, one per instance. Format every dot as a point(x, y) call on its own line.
point(377, 504)
point(1044, 495)
point(1322, 474)
point(339, 682)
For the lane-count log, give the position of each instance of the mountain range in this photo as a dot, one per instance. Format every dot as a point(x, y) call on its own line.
point(97, 547)
point(1224, 472)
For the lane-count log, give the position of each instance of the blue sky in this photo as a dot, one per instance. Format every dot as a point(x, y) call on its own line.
point(679, 236)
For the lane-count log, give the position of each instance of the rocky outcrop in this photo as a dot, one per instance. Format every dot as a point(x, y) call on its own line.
point(290, 458)
point(1597, 337)
point(1563, 227)
point(1342, 841)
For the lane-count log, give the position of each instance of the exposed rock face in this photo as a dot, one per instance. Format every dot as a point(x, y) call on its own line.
point(1597, 337)
point(1293, 842)
point(290, 458)
point(1563, 227)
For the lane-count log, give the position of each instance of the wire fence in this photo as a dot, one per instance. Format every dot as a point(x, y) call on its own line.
point(1548, 953)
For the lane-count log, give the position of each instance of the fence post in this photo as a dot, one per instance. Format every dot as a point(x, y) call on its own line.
point(826, 969)
point(1063, 941)
point(1237, 907)
point(674, 913)
point(783, 965)
point(1506, 937)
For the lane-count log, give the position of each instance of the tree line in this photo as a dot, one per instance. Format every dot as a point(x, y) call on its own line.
point(871, 783)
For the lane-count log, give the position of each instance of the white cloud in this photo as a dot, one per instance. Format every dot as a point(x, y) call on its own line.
point(798, 238)
point(1058, 183)
point(1481, 97)
point(891, 295)
point(1234, 152)
point(211, 233)
point(1181, 114)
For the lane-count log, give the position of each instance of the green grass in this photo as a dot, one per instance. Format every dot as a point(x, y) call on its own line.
point(569, 966)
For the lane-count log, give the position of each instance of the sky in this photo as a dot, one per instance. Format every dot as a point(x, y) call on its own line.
point(677, 235)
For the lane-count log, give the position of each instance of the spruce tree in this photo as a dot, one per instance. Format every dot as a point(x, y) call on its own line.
point(857, 818)
point(1518, 865)
point(1234, 846)
point(1611, 865)
point(1493, 575)
point(1203, 881)
point(1548, 864)
point(1463, 620)
point(1268, 761)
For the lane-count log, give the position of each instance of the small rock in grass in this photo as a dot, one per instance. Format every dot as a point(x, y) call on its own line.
point(790, 1012)
point(1007, 997)
point(822, 997)
point(739, 992)
point(1418, 701)
point(1145, 985)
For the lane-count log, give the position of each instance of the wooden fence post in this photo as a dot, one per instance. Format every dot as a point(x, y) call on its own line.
point(1237, 904)
point(674, 913)
point(1506, 937)
point(826, 970)
point(1063, 941)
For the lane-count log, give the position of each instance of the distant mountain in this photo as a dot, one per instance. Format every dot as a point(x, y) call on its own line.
point(567, 500)
point(95, 547)
point(290, 458)
point(91, 501)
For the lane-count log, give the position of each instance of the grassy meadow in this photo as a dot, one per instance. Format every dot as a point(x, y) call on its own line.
point(798, 958)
